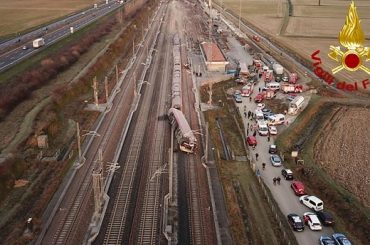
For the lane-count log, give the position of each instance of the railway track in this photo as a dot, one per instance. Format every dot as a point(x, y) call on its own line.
point(200, 224)
point(136, 210)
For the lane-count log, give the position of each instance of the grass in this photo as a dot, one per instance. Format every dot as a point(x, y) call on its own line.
point(252, 221)
point(339, 201)
point(19, 16)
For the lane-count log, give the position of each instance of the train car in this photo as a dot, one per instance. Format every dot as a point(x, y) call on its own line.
point(183, 133)
point(176, 75)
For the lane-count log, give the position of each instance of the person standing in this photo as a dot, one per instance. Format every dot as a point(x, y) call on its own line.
point(278, 180)
point(263, 166)
point(268, 138)
point(256, 156)
point(254, 133)
point(259, 90)
point(274, 180)
point(245, 114)
point(250, 99)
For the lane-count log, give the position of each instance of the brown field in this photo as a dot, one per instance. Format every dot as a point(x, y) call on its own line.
point(311, 27)
point(19, 15)
point(343, 150)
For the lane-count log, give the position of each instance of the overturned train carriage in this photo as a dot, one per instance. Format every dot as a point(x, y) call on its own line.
point(183, 133)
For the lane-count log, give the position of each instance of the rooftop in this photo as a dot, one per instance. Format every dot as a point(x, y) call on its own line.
point(212, 52)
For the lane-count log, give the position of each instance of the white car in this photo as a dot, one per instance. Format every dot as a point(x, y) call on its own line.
point(260, 106)
point(273, 130)
point(312, 202)
point(312, 221)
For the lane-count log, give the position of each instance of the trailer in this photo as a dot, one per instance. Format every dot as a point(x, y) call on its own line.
point(295, 105)
point(39, 42)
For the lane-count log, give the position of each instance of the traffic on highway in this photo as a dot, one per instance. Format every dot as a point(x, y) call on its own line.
point(21, 47)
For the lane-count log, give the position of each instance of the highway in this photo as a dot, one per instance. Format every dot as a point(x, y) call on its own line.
point(12, 52)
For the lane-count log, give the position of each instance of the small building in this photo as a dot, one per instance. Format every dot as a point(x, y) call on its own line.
point(213, 57)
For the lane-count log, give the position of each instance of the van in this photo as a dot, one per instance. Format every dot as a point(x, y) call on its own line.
point(273, 86)
point(312, 202)
point(263, 130)
point(276, 119)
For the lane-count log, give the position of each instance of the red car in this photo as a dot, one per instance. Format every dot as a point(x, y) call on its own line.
point(298, 188)
point(259, 98)
point(251, 141)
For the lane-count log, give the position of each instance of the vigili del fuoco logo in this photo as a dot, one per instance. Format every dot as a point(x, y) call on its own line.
point(352, 58)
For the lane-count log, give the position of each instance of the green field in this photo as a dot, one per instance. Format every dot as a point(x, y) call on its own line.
point(19, 15)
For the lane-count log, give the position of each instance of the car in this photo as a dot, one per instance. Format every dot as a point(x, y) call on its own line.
point(24, 47)
point(260, 106)
point(238, 99)
point(291, 97)
point(266, 115)
point(298, 188)
point(312, 202)
point(285, 79)
point(295, 222)
point(325, 218)
point(273, 149)
point(265, 110)
point(275, 160)
point(312, 221)
point(273, 130)
point(287, 174)
point(341, 239)
point(326, 240)
point(251, 141)
point(259, 98)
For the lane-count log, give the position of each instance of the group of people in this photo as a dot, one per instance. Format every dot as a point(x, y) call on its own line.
point(276, 180)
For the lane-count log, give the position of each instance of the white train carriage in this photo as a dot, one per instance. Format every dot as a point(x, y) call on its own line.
point(183, 133)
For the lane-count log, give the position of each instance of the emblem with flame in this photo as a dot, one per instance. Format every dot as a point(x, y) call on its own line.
point(352, 37)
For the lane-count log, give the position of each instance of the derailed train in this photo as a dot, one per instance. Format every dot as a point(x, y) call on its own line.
point(183, 133)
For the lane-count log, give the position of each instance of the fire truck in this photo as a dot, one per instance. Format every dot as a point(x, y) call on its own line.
point(292, 88)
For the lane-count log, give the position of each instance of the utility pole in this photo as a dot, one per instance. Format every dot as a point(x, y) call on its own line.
point(78, 141)
point(95, 88)
point(240, 11)
point(106, 89)
point(116, 73)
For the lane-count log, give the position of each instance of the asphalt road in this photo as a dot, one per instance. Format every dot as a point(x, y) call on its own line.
point(11, 52)
point(283, 194)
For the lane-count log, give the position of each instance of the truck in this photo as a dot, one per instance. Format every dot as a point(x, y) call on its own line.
point(293, 78)
point(269, 93)
point(278, 69)
point(257, 63)
point(39, 42)
point(295, 105)
point(244, 69)
point(268, 75)
point(247, 90)
point(291, 88)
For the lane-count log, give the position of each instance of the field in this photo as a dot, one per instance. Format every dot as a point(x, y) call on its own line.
point(309, 28)
point(343, 150)
point(333, 134)
point(19, 15)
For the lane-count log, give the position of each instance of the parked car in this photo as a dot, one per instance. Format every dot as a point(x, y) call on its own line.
point(285, 79)
point(326, 240)
point(24, 47)
point(260, 106)
point(266, 115)
point(273, 149)
point(298, 188)
point(341, 239)
point(265, 110)
point(251, 141)
point(325, 218)
point(259, 98)
point(287, 174)
point(312, 221)
point(312, 202)
point(295, 222)
point(275, 160)
point(273, 130)
point(238, 96)
point(291, 97)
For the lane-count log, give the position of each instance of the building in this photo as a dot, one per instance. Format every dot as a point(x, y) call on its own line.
point(213, 57)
